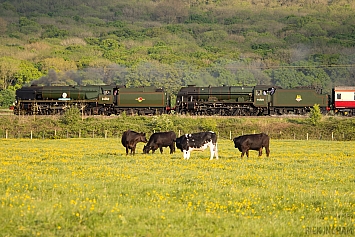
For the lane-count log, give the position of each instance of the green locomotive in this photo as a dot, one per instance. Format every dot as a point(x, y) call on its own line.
point(91, 100)
point(248, 100)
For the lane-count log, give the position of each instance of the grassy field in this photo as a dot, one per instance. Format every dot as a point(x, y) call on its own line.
point(88, 187)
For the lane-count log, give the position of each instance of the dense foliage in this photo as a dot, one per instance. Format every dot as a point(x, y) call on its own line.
point(72, 125)
point(177, 42)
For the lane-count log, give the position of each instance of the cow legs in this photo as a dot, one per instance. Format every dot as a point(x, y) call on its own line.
point(133, 150)
point(260, 151)
point(213, 151)
point(267, 151)
point(126, 150)
point(186, 155)
point(161, 150)
point(172, 149)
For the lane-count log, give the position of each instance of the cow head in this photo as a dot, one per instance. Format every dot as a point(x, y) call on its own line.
point(236, 141)
point(146, 149)
point(142, 137)
point(180, 142)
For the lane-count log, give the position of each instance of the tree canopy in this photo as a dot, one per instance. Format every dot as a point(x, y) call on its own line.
point(177, 42)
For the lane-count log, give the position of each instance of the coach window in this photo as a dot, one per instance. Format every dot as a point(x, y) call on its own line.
point(339, 96)
point(354, 95)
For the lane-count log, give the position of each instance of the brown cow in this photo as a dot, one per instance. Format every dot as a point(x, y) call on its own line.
point(252, 142)
point(130, 140)
point(160, 140)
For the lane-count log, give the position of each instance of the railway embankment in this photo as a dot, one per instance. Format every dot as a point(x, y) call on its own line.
point(76, 126)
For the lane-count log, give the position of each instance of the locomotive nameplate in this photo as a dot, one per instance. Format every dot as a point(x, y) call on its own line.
point(105, 99)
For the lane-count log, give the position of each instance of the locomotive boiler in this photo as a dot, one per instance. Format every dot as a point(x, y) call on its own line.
point(224, 100)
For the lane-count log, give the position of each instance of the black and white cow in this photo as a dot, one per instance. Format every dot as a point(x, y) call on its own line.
point(198, 141)
point(130, 139)
point(160, 140)
point(252, 142)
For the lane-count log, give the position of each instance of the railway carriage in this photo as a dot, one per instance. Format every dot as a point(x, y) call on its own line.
point(344, 100)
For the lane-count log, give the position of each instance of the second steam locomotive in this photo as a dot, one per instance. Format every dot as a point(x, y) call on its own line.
point(193, 100)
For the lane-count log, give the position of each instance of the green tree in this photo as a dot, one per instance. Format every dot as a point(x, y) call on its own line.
point(7, 98)
point(315, 115)
point(28, 26)
point(8, 69)
point(27, 72)
point(286, 77)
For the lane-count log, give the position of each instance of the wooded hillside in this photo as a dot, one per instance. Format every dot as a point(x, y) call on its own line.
point(173, 43)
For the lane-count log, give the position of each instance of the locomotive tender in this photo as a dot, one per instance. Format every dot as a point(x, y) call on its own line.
point(221, 101)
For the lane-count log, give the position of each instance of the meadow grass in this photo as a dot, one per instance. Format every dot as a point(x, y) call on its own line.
point(89, 187)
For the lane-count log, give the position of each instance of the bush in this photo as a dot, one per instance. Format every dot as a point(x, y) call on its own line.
point(162, 123)
point(315, 115)
point(71, 116)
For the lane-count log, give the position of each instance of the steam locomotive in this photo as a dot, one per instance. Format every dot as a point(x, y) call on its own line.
point(91, 100)
point(193, 100)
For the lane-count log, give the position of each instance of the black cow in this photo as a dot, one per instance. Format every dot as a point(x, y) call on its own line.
point(130, 140)
point(160, 140)
point(198, 141)
point(252, 142)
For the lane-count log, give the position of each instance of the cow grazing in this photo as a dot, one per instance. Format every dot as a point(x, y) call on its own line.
point(160, 140)
point(130, 140)
point(252, 142)
point(198, 141)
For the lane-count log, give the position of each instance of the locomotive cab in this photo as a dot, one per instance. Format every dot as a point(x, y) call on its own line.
point(262, 98)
